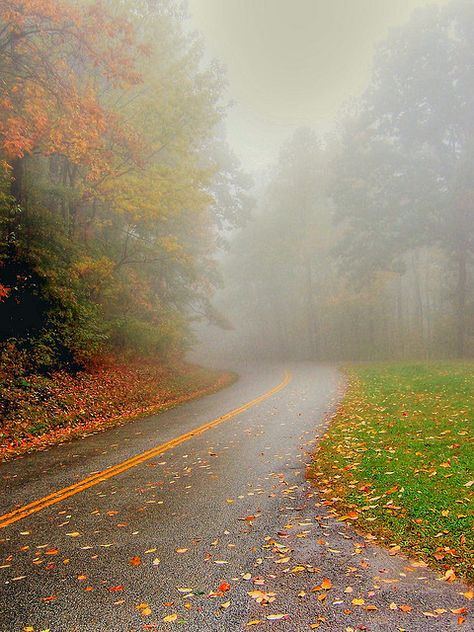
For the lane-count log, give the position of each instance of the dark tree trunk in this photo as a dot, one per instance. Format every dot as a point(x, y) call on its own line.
point(16, 188)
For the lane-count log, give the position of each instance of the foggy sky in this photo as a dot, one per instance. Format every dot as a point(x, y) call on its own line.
point(292, 62)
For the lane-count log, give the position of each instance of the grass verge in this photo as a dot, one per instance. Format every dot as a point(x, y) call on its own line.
point(398, 460)
point(37, 412)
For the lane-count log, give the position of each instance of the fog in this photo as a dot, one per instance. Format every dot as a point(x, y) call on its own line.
point(355, 120)
point(292, 64)
point(276, 179)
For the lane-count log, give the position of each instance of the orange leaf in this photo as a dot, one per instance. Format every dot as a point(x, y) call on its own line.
point(449, 576)
point(351, 515)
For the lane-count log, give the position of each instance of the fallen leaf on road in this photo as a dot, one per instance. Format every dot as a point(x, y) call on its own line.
point(262, 597)
point(144, 609)
point(170, 618)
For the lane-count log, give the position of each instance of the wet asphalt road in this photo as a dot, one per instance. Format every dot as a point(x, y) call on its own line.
point(188, 534)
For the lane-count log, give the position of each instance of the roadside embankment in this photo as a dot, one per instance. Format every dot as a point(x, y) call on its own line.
point(38, 411)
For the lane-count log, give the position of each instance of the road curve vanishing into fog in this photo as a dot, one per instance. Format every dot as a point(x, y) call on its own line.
point(174, 519)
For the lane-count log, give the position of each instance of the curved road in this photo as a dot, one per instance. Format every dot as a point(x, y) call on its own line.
point(181, 537)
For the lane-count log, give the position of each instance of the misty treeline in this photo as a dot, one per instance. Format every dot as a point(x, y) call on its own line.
point(117, 189)
point(115, 180)
point(362, 245)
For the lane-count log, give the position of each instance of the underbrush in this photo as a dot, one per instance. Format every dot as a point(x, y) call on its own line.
point(40, 410)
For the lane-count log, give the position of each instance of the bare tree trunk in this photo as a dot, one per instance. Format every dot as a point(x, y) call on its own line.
point(428, 307)
point(371, 335)
point(400, 328)
point(461, 304)
point(311, 312)
point(418, 300)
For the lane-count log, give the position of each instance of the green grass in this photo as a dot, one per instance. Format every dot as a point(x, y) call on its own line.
point(399, 454)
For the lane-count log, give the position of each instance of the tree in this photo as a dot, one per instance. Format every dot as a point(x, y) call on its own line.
point(114, 192)
point(404, 177)
point(280, 261)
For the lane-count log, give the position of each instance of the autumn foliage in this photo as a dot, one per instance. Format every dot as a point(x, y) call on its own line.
point(52, 56)
point(38, 411)
point(111, 191)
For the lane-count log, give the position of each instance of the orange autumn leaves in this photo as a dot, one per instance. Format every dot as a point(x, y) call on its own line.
point(135, 561)
point(108, 143)
point(74, 405)
point(54, 59)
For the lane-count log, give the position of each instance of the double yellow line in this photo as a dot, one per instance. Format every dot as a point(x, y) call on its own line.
point(95, 479)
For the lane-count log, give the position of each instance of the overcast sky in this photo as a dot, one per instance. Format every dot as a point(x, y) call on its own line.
point(292, 62)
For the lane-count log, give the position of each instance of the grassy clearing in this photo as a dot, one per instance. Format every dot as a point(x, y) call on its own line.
point(39, 411)
point(398, 458)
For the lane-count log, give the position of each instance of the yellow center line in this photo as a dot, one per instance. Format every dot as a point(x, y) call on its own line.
point(95, 479)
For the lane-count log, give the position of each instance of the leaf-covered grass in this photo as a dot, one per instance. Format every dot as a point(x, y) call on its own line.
point(399, 458)
point(38, 411)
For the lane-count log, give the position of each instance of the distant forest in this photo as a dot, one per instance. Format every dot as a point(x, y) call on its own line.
point(118, 192)
point(362, 244)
